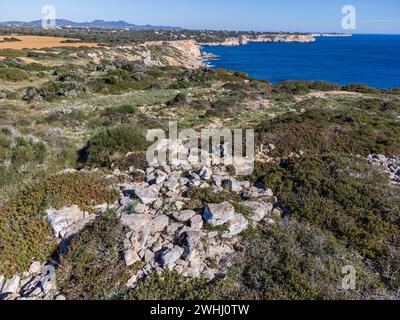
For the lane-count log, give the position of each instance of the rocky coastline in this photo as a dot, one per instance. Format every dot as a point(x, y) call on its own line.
point(281, 37)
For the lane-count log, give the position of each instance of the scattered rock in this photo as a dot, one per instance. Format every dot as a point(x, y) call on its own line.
point(218, 214)
point(390, 165)
point(205, 173)
point(35, 268)
point(62, 221)
point(259, 209)
point(145, 222)
point(11, 286)
point(170, 256)
point(236, 225)
point(196, 222)
point(146, 195)
point(232, 185)
point(184, 216)
point(131, 257)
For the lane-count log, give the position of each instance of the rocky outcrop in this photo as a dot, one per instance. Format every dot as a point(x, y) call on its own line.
point(244, 40)
point(272, 37)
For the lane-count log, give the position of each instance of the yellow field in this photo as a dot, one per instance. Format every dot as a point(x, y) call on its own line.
point(38, 42)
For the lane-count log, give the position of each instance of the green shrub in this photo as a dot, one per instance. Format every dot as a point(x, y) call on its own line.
point(180, 100)
point(324, 86)
point(112, 144)
point(227, 76)
point(55, 89)
point(94, 268)
point(361, 88)
point(180, 84)
point(13, 74)
point(11, 39)
point(12, 53)
point(21, 152)
point(292, 87)
point(121, 114)
point(304, 87)
point(173, 286)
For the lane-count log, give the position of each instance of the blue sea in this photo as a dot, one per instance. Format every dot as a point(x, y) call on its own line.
point(368, 59)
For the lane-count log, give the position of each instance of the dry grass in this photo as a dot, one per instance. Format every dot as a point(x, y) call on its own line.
point(38, 42)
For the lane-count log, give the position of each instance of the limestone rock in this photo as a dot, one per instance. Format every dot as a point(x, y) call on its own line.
point(236, 225)
point(145, 222)
point(172, 255)
point(218, 214)
point(184, 216)
point(62, 220)
point(11, 286)
point(196, 222)
point(131, 257)
point(35, 268)
point(259, 209)
point(1, 281)
point(232, 185)
point(145, 194)
point(205, 173)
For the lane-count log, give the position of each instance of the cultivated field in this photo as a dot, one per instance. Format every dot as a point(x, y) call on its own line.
point(39, 42)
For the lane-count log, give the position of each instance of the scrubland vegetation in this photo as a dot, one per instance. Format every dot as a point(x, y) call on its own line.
point(63, 111)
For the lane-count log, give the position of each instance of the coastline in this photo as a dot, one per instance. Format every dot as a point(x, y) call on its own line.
point(274, 38)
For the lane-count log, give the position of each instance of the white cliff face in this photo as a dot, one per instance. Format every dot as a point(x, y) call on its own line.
point(190, 54)
point(244, 40)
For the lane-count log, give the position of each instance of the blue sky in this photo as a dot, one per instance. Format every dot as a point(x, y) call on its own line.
point(373, 16)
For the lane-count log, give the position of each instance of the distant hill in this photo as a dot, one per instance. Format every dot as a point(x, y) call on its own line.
point(102, 24)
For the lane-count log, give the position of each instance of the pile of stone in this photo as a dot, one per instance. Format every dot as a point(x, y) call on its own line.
point(163, 233)
point(38, 283)
point(390, 165)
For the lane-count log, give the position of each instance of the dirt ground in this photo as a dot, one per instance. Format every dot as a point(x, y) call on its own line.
point(38, 42)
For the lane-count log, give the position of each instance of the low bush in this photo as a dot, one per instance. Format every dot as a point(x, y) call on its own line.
point(94, 267)
point(173, 286)
point(112, 144)
point(55, 89)
point(292, 87)
point(227, 76)
point(21, 151)
point(304, 87)
point(361, 88)
point(13, 74)
point(200, 197)
point(12, 53)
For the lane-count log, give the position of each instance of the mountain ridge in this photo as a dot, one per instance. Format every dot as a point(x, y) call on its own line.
point(101, 24)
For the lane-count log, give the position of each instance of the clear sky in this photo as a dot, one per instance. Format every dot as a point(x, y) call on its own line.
point(373, 16)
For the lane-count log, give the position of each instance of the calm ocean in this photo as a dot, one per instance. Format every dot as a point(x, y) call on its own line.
point(369, 59)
